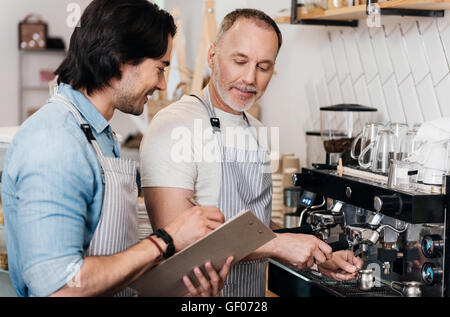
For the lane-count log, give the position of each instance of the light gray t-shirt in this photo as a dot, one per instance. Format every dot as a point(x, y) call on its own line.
point(179, 149)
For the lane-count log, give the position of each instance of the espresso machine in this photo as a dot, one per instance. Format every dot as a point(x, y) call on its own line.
point(401, 235)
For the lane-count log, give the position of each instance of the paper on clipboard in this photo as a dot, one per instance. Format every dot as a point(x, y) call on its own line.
point(239, 237)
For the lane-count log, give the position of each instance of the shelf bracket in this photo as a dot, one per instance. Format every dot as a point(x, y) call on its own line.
point(372, 8)
point(296, 20)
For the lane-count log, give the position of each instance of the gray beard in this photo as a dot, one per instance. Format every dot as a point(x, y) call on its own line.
point(215, 81)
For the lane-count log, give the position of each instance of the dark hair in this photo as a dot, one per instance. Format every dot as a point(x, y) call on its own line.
point(113, 33)
point(253, 14)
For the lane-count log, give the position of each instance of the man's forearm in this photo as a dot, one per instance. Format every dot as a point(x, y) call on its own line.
point(106, 275)
point(268, 250)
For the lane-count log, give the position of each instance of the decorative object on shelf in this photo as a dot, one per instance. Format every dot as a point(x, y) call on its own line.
point(55, 43)
point(46, 76)
point(334, 4)
point(283, 16)
point(32, 33)
point(313, 6)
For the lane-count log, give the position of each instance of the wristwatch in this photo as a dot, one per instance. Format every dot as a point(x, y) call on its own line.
point(161, 233)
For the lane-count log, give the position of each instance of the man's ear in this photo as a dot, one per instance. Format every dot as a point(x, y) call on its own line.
point(211, 55)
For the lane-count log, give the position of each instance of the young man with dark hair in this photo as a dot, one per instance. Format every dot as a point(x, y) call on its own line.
point(70, 201)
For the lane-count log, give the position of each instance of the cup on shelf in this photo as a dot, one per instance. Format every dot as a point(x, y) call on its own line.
point(435, 162)
point(383, 149)
point(399, 130)
point(402, 174)
point(409, 145)
point(365, 139)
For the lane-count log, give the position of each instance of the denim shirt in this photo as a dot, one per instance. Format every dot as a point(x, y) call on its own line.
point(52, 193)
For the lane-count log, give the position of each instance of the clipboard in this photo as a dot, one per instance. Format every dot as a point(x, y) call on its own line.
point(239, 236)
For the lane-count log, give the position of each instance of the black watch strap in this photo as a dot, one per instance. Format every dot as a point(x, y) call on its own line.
point(161, 233)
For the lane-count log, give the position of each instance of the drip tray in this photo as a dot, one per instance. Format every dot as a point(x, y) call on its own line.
point(347, 288)
point(288, 281)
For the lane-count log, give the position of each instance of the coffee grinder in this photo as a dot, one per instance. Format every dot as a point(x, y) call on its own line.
point(339, 124)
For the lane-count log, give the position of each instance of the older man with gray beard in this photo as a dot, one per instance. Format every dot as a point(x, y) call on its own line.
point(207, 147)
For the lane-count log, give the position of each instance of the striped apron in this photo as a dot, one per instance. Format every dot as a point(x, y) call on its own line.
point(246, 184)
point(117, 228)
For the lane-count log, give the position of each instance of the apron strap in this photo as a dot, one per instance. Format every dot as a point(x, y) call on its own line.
point(213, 119)
point(215, 122)
point(85, 127)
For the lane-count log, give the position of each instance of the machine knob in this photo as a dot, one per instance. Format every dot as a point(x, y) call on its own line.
point(348, 192)
point(388, 203)
point(431, 274)
point(295, 179)
point(432, 246)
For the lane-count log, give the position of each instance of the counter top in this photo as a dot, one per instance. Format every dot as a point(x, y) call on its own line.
point(7, 134)
point(6, 288)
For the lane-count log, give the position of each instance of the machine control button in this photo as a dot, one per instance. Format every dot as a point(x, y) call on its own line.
point(432, 246)
point(295, 179)
point(348, 192)
point(377, 204)
point(388, 203)
point(431, 274)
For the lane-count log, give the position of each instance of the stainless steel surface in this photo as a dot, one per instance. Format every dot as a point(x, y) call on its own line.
point(292, 196)
point(408, 289)
point(308, 209)
point(348, 192)
point(342, 289)
point(365, 280)
point(291, 220)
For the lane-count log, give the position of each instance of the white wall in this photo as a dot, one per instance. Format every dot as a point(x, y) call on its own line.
point(11, 13)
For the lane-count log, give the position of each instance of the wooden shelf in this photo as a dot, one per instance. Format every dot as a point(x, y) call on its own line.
point(44, 51)
point(36, 87)
point(359, 11)
point(282, 20)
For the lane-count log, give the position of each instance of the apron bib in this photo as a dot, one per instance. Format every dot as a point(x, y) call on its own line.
point(117, 228)
point(246, 184)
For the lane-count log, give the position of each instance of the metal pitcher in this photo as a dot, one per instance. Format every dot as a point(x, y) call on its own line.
point(366, 279)
point(407, 289)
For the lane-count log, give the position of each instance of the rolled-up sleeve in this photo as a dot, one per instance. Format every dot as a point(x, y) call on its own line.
point(54, 189)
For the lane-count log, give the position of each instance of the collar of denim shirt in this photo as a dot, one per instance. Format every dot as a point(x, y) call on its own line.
point(86, 108)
